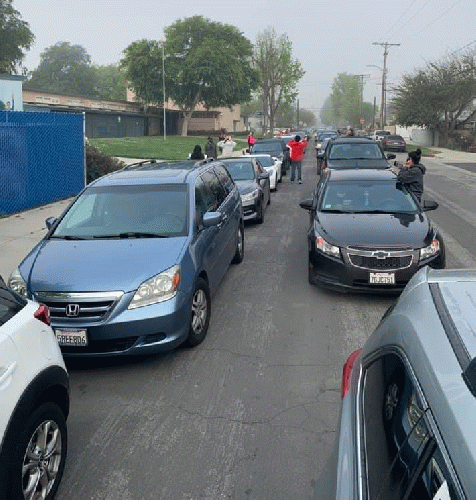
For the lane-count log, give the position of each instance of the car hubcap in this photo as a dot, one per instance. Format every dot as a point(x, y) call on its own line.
point(240, 241)
point(199, 311)
point(41, 461)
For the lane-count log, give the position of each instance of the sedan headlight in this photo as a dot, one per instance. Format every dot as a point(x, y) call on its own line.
point(17, 283)
point(430, 250)
point(157, 289)
point(327, 248)
point(250, 196)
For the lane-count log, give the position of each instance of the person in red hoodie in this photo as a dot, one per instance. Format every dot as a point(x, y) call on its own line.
point(296, 154)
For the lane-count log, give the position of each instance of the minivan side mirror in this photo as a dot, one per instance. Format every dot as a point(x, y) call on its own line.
point(211, 219)
point(428, 205)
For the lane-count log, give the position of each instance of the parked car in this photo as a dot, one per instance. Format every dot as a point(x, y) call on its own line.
point(131, 265)
point(272, 166)
point(406, 424)
point(343, 153)
point(394, 143)
point(378, 135)
point(34, 393)
point(275, 147)
point(253, 182)
point(368, 232)
point(321, 143)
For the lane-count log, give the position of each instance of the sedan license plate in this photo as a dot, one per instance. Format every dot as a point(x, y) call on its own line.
point(76, 338)
point(382, 278)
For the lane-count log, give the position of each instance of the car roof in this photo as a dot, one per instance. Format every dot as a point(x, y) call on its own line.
point(364, 174)
point(352, 140)
point(155, 172)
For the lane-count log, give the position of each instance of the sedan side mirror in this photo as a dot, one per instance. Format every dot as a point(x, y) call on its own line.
point(50, 222)
point(307, 204)
point(428, 205)
point(391, 156)
point(263, 175)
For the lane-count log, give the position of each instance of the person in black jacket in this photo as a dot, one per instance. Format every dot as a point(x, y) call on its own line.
point(411, 174)
point(197, 153)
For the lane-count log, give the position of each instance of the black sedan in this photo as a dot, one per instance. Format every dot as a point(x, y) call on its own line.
point(275, 147)
point(253, 183)
point(354, 153)
point(368, 232)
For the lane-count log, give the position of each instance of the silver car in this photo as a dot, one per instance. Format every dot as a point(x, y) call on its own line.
point(406, 426)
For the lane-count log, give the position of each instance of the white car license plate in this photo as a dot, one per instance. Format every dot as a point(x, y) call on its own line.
point(77, 338)
point(382, 278)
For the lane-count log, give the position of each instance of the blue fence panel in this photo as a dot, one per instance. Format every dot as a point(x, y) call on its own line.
point(41, 158)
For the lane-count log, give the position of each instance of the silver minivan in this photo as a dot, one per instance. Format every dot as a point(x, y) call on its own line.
point(406, 425)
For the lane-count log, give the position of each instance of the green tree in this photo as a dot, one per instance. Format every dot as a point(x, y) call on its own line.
point(110, 82)
point(142, 63)
point(64, 68)
point(345, 96)
point(15, 38)
point(327, 113)
point(279, 72)
point(438, 96)
point(209, 63)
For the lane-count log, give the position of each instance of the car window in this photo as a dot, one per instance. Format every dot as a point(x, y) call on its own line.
point(385, 197)
point(348, 151)
point(265, 161)
point(272, 148)
point(241, 170)
point(395, 428)
point(204, 200)
point(10, 304)
point(112, 211)
point(211, 180)
point(225, 178)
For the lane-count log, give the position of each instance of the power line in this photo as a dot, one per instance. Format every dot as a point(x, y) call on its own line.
point(441, 15)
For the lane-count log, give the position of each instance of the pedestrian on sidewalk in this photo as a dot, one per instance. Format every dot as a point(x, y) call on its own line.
point(411, 173)
point(211, 149)
point(227, 146)
point(296, 154)
point(251, 140)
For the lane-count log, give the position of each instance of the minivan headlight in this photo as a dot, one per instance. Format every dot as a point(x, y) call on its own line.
point(157, 289)
point(432, 249)
point(17, 283)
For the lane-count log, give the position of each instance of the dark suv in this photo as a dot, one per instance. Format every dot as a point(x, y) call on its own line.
point(406, 426)
point(275, 147)
point(132, 263)
point(342, 153)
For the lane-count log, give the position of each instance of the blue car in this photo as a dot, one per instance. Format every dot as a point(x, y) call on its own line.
point(132, 263)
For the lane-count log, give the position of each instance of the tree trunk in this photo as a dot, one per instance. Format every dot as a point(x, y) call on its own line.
point(187, 113)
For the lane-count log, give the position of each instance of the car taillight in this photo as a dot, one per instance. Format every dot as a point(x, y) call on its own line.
point(43, 314)
point(346, 372)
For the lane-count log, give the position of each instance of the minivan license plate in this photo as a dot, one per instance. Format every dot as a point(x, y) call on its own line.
point(76, 338)
point(382, 278)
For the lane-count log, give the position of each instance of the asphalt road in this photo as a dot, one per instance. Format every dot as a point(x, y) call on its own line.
point(251, 412)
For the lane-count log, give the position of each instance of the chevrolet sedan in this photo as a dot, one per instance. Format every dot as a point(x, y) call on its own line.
point(368, 232)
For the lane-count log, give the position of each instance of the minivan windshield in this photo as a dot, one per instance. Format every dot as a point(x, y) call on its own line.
point(135, 211)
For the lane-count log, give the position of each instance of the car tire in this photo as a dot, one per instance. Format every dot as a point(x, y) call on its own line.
point(240, 246)
point(260, 215)
point(47, 421)
point(200, 314)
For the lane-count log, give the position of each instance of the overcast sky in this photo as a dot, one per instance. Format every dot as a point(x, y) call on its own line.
point(328, 36)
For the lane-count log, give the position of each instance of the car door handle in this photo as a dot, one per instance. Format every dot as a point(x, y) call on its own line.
point(6, 374)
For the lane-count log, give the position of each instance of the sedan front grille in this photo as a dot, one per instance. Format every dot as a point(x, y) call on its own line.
point(380, 259)
point(79, 307)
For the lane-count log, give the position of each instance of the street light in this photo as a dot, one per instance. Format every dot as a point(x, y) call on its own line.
point(163, 89)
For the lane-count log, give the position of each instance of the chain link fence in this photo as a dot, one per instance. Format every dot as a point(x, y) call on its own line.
point(41, 158)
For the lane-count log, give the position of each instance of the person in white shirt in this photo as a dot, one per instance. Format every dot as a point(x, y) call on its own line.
point(226, 146)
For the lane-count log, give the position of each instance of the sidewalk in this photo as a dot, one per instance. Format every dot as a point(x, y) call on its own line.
point(20, 232)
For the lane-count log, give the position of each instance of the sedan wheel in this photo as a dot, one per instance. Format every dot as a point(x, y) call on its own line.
point(200, 316)
point(240, 246)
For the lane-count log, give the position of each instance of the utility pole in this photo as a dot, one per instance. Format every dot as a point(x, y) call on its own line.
point(362, 98)
point(383, 110)
point(297, 114)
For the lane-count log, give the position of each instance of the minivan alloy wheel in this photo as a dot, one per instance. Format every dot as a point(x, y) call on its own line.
point(200, 313)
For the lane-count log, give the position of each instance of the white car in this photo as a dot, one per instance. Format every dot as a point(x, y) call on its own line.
point(272, 165)
point(34, 400)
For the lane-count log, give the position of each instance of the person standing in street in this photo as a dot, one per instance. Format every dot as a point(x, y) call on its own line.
point(411, 174)
point(251, 140)
point(296, 155)
point(227, 146)
point(211, 149)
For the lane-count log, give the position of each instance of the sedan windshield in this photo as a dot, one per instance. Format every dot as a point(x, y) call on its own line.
point(367, 197)
point(271, 148)
point(265, 161)
point(145, 211)
point(357, 151)
point(240, 170)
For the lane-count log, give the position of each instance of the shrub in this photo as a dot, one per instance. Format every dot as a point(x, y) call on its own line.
point(99, 164)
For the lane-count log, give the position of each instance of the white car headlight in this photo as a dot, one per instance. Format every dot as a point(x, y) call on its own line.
point(327, 248)
point(157, 289)
point(430, 250)
point(17, 283)
point(250, 196)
